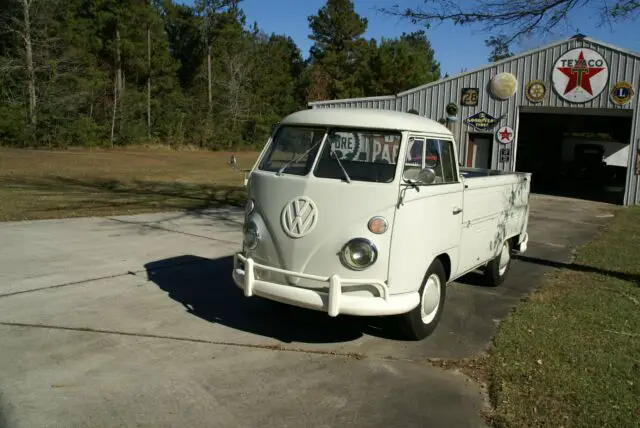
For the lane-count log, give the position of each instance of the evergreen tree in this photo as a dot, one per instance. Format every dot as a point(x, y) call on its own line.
point(339, 50)
point(402, 64)
point(116, 72)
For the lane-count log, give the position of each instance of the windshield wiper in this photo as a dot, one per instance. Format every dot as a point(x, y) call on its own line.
point(297, 158)
point(411, 183)
point(335, 156)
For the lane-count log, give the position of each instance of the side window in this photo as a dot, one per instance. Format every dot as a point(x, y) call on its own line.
point(448, 161)
point(431, 153)
point(440, 157)
point(413, 163)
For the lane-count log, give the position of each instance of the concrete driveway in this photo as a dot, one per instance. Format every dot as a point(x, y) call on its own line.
point(133, 321)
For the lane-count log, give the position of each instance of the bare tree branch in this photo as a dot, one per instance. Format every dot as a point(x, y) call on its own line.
point(513, 18)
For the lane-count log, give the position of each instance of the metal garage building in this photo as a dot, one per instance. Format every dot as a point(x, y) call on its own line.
point(567, 112)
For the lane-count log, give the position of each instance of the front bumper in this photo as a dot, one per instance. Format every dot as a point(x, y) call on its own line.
point(332, 301)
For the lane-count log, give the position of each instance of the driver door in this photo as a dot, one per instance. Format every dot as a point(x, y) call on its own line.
point(428, 220)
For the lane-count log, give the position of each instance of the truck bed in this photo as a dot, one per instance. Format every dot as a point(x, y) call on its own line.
point(468, 172)
point(495, 208)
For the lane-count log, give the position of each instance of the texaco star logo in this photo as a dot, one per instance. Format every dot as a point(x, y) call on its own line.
point(580, 75)
point(505, 135)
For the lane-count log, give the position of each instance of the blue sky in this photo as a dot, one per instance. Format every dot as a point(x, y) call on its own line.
point(456, 47)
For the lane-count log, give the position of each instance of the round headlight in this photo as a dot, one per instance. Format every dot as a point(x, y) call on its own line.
point(249, 207)
point(358, 254)
point(251, 234)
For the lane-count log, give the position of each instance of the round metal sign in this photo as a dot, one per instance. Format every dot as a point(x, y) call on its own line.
point(503, 85)
point(580, 75)
point(535, 91)
point(505, 135)
point(622, 93)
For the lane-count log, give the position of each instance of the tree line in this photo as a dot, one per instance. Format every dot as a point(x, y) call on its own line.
point(118, 72)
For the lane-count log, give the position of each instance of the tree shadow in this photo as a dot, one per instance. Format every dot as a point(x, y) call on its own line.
point(205, 288)
point(581, 268)
point(94, 196)
point(3, 416)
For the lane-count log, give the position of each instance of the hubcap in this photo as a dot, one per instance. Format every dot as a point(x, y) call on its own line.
point(504, 258)
point(430, 299)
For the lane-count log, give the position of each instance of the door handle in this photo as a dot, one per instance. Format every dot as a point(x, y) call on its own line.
point(457, 210)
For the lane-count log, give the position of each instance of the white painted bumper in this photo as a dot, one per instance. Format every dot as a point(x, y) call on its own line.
point(332, 301)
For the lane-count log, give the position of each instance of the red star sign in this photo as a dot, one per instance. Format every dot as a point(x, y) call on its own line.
point(505, 135)
point(580, 75)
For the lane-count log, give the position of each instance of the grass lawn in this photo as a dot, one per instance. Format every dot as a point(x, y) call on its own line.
point(570, 355)
point(39, 184)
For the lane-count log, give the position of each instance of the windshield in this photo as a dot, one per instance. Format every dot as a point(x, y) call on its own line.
point(294, 148)
point(365, 155)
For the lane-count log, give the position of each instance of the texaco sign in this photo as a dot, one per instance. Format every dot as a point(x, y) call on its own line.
point(580, 75)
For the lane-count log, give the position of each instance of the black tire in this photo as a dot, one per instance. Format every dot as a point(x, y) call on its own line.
point(492, 274)
point(411, 324)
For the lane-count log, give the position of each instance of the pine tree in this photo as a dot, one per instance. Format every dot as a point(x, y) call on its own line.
point(339, 50)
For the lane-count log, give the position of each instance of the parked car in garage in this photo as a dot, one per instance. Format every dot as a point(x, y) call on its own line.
point(343, 217)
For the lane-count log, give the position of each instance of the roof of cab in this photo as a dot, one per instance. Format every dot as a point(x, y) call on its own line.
point(366, 118)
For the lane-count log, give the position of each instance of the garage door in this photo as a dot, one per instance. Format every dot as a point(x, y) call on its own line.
point(577, 155)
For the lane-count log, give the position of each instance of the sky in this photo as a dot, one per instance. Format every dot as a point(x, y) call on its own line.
point(457, 48)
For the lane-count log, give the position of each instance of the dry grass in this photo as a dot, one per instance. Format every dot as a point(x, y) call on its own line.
point(570, 355)
point(38, 184)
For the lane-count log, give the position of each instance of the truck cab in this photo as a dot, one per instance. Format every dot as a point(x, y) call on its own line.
point(365, 212)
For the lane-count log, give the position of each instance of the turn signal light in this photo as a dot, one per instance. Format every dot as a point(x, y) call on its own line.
point(378, 225)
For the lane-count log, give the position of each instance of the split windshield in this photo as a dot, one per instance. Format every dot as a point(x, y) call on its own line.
point(364, 155)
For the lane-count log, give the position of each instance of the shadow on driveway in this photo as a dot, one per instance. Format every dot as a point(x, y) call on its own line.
point(205, 288)
point(582, 268)
point(472, 312)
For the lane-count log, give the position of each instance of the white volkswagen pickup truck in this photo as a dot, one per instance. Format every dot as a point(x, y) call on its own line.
point(366, 212)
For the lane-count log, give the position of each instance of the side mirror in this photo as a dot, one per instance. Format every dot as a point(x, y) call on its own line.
point(426, 176)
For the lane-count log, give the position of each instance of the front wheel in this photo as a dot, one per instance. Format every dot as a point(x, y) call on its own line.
point(421, 321)
point(497, 269)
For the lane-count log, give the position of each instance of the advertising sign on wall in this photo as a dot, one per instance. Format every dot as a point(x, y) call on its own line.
point(621, 93)
point(505, 155)
point(580, 75)
point(469, 97)
point(481, 121)
point(505, 135)
point(535, 91)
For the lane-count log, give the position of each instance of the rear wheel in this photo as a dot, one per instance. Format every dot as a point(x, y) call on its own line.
point(420, 322)
point(497, 269)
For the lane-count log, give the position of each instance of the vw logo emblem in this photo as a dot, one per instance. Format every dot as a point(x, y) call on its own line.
point(299, 217)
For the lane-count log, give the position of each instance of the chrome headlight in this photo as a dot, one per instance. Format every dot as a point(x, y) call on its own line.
point(358, 254)
point(251, 234)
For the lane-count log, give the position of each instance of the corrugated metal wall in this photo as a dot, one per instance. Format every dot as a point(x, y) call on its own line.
point(430, 100)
